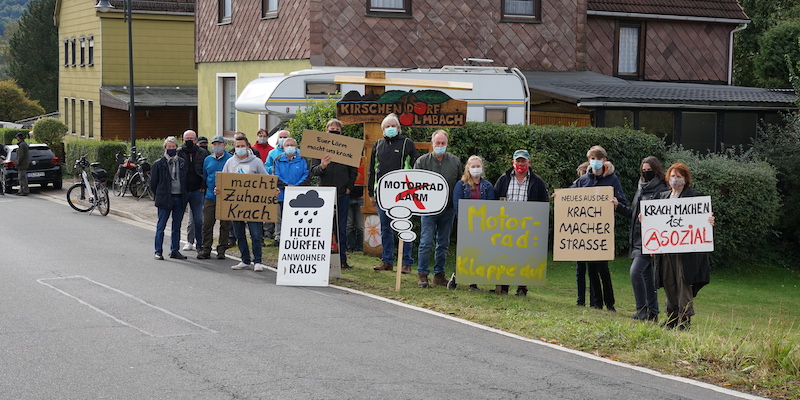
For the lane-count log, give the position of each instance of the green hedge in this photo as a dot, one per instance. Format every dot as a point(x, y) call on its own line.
point(105, 152)
point(7, 135)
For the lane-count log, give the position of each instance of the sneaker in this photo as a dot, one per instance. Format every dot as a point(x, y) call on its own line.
point(474, 288)
point(346, 266)
point(177, 255)
point(241, 265)
point(258, 267)
point(188, 247)
point(159, 255)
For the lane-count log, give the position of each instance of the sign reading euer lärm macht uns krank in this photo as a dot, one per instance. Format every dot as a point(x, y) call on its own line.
point(247, 197)
point(502, 242)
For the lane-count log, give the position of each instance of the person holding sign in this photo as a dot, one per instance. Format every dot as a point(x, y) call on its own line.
point(343, 178)
point(168, 183)
point(599, 173)
point(520, 183)
point(245, 162)
point(681, 274)
point(651, 183)
point(437, 227)
point(472, 186)
point(392, 152)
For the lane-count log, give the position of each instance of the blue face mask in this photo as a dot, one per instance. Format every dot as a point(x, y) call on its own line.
point(440, 150)
point(280, 141)
point(390, 132)
point(596, 164)
point(172, 152)
point(241, 151)
point(218, 150)
point(290, 150)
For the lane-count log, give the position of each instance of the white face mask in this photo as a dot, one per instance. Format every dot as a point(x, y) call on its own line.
point(262, 140)
point(476, 172)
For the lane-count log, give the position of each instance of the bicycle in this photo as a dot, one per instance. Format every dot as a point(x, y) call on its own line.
point(139, 184)
point(125, 172)
point(85, 196)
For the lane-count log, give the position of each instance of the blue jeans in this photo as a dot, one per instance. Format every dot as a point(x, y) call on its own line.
point(256, 232)
point(387, 241)
point(342, 208)
point(355, 225)
point(644, 286)
point(196, 217)
point(435, 227)
point(161, 225)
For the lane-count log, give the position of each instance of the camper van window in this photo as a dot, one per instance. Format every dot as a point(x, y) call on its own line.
point(497, 115)
point(321, 88)
point(521, 10)
point(396, 7)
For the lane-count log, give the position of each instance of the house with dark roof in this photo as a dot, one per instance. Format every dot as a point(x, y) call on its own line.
point(94, 88)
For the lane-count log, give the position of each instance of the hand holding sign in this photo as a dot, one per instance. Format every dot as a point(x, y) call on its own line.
point(408, 192)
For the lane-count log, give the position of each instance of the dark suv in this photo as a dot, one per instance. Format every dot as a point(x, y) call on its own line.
point(44, 167)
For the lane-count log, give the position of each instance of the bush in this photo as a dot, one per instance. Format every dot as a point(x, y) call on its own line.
point(7, 135)
point(50, 131)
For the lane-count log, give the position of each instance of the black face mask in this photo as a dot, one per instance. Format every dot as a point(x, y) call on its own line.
point(648, 176)
point(188, 144)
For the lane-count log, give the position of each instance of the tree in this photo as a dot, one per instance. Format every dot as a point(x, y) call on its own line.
point(778, 45)
point(764, 15)
point(50, 131)
point(14, 105)
point(33, 53)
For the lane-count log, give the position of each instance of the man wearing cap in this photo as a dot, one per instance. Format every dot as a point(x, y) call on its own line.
point(211, 165)
point(23, 159)
point(520, 183)
point(202, 141)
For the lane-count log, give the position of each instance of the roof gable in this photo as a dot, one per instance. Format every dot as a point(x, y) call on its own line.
point(728, 9)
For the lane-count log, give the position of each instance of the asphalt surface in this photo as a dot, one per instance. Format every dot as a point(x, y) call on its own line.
point(86, 312)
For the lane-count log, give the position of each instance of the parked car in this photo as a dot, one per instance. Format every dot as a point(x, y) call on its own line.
point(44, 168)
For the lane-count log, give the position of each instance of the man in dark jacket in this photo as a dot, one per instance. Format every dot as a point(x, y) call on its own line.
point(599, 173)
point(520, 183)
point(168, 182)
point(23, 159)
point(195, 187)
point(343, 177)
point(392, 152)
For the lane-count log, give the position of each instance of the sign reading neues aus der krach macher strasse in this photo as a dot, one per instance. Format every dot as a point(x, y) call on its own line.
point(247, 197)
point(502, 242)
point(423, 108)
point(677, 225)
point(583, 224)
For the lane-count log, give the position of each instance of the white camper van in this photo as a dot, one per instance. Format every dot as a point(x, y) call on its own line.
point(498, 94)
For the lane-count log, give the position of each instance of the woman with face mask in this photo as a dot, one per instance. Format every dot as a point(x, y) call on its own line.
point(682, 274)
point(651, 184)
point(472, 185)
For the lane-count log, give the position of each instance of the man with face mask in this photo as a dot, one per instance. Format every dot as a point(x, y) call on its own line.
point(392, 152)
point(211, 165)
point(168, 182)
point(195, 187)
point(437, 228)
point(269, 164)
point(291, 169)
point(599, 173)
point(520, 183)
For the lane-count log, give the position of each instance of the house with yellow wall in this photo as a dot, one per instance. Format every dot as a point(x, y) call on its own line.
point(93, 85)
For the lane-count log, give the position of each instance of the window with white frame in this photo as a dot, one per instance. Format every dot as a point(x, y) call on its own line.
point(226, 104)
point(83, 117)
point(628, 49)
point(72, 115)
point(497, 115)
point(66, 52)
point(398, 7)
point(269, 8)
point(90, 118)
point(225, 11)
point(83, 52)
point(520, 10)
point(73, 51)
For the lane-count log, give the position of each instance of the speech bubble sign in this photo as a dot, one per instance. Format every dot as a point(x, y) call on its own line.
point(408, 192)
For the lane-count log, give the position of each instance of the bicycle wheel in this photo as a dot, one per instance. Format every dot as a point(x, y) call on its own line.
point(103, 202)
point(78, 198)
point(135, 185)
point(144, 187)
point(118, 184)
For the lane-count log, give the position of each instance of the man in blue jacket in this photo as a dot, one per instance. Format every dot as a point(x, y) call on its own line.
point(211, 165)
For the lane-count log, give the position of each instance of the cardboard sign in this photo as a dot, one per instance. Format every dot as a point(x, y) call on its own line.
point(502, 242)
point(247, 197)
point(305, 249)
point(342, 149)
point(422, 108)
point(406, 192)
point(677, 225)
point(583, 227)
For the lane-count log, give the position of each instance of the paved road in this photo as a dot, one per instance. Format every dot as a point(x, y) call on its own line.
point(85, 312)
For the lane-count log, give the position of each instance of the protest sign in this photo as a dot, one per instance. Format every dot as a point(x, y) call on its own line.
point(583, 227)
point(305, 248)
point(502, 242)
point(406, 192)
point(247, 197)
point(342, 149)
point(677, 225)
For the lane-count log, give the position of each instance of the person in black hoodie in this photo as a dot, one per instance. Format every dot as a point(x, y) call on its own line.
point(599, 173)
point(520, 183)
point(343, 178)
point(392, 152)
point(194, 156)
point(651, 183)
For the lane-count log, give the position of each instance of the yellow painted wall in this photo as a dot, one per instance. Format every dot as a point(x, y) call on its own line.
point(245, 71)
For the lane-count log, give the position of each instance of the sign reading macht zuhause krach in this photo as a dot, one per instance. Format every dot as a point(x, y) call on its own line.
point(247, 197)
point(677, 225)
point(502, 242)
point(583, 227)
point(342, 149)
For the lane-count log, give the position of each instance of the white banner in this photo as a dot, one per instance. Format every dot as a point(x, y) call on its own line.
point(304, 256)
point(677, 225)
